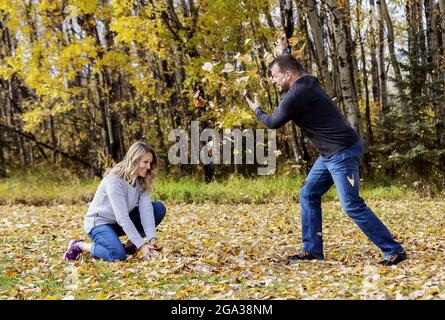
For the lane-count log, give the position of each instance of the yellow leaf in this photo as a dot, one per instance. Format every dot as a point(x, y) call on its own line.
point(223, 91)
point(100, 296)
point(228, 67)
point(200, 102)
point(293, 41)
point(296, 53)
point(208, 66)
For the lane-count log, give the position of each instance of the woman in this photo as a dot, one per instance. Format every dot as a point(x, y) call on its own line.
point(122, 206)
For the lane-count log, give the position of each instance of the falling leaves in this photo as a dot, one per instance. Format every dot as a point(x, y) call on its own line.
point(223, 91)
point(277, 50)
point(268, 58)
point(246, 58)
point(198, 101)
point(294, 41)
point(228, 67)
point(296, 53)
point(208, 66)
point(223, 251)
point(240, 80)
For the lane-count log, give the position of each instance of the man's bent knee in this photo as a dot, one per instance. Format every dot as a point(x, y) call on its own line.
point(307, 192)
point(355, 209)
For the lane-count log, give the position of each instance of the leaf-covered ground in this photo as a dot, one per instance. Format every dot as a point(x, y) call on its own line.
point(216, 251)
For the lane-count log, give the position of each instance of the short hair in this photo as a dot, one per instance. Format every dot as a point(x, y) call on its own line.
point(287, 62)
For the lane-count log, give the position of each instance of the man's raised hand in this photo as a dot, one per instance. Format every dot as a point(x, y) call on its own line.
point(253, 105)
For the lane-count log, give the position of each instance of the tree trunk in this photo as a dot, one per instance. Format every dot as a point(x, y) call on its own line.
point(321, 56)
point(374, 63)
point(381, 65)
point(294, 145)
point(442, 22)
point(440, 107)
point(287, 20)
point(53, 139)
point(414, 49)
point(369, 135)
point(104, 125)
point(347, 82)
point(338, 98)
point(391, 39)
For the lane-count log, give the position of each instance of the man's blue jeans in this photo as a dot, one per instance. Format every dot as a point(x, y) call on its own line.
point(341, 169)
point(105, 237)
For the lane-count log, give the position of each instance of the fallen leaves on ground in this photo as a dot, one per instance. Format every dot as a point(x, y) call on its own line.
point(215, 251)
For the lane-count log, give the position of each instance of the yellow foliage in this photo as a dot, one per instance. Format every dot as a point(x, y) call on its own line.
point(126, 28)
point(34, 118)
point(49, 5)
point(86, 6)
point(122, 7)
point(116, 60)
point(77, 54)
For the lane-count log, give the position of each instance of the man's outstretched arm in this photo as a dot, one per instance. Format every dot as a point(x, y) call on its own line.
point(281, 115)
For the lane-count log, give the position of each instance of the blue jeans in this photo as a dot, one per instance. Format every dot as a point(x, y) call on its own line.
point(105, 237)
point(341, 169)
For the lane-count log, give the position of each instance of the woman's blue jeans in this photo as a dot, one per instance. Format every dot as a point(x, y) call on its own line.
point(105, 237)
point(341, 169)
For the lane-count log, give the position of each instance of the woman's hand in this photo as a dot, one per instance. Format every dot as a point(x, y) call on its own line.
point(148, 250)
point(152, 242)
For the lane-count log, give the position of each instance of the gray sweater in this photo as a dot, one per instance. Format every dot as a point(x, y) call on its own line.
point(112, 203)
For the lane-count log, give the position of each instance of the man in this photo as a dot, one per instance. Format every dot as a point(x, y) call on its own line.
point(305, 103)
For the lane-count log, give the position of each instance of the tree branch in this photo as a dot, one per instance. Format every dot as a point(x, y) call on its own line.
point(31, 137)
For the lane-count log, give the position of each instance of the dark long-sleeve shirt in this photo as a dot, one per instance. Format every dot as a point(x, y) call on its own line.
point(315, 113)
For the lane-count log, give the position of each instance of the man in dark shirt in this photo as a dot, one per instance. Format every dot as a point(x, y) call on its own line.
point(305, 103)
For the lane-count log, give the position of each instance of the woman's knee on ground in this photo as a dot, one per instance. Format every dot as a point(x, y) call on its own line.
point(116, 254)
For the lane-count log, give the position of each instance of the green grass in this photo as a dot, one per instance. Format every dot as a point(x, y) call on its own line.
point(6, 283)
point(43, 186)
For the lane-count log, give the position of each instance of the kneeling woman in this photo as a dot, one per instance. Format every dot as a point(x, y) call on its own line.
point(122, 206)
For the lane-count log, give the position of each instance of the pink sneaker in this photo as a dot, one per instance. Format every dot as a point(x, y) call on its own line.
point(73, 251)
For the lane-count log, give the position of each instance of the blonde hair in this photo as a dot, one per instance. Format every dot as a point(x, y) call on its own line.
point(127, 169)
